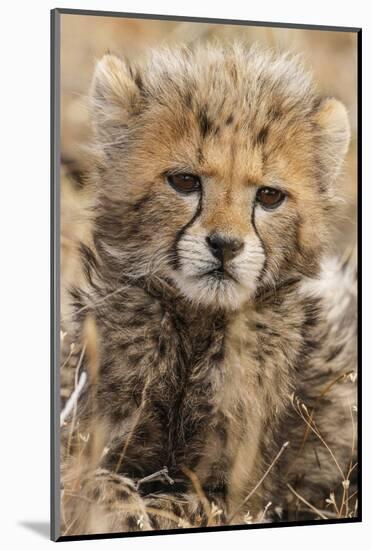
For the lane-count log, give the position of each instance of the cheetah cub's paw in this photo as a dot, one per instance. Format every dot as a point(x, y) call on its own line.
point(108, 503)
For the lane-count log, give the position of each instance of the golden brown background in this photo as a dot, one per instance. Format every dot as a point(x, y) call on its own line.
point(331, 55)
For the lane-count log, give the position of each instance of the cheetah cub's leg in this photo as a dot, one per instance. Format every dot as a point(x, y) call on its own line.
point(177, 510)
point(105, 503)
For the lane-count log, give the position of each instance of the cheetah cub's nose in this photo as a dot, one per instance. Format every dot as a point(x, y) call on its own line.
point(223, 248)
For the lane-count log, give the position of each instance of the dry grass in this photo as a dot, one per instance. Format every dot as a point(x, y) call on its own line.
point(91, 448)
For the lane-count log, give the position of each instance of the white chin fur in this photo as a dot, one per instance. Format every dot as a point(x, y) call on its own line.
point(195, 261)
point(209, 291)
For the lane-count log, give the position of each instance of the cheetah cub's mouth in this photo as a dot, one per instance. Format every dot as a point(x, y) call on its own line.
point(217, 270)
point(215, 265)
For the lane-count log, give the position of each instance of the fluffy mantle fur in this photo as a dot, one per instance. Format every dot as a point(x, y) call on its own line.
point(192, 371)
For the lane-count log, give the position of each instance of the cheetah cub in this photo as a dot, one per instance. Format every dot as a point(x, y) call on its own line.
point(220, 373)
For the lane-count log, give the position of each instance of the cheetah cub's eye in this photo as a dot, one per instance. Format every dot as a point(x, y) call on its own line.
point(184, 183)
point(269, 197)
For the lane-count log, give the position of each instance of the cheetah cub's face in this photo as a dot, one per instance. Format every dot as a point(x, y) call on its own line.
point(219, 164)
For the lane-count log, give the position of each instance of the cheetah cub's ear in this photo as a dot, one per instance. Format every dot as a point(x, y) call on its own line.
point(114, 96)
point(333, 123)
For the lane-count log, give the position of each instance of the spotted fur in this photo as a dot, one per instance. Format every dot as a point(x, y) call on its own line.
point(197, 363)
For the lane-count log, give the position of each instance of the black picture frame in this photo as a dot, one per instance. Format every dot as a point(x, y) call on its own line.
point(55, 264)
